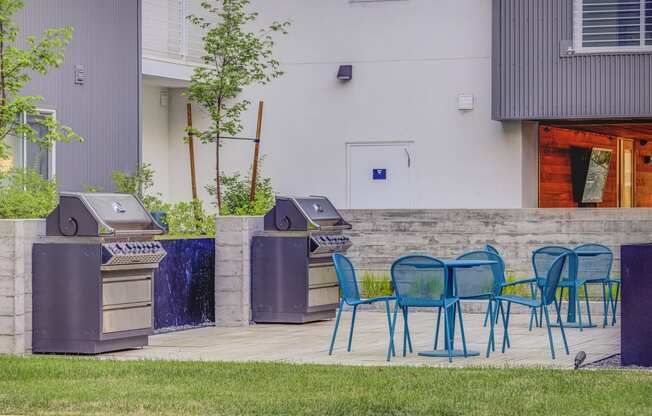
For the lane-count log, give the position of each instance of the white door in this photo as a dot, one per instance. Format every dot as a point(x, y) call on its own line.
point(379, 175)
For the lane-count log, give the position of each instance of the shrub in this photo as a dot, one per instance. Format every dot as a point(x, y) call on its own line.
point(25, 194)
point(190, 219)
point(235, 195)
point(374, 285)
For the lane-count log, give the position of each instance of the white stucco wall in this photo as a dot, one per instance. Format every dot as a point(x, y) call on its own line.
point(411, 59)
point(156, 137)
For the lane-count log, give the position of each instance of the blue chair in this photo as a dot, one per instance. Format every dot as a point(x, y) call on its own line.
point(533, 291)
point(421, 281)
point(480, 283)
point(350, 295)
point(548, 288)
point(596, 269)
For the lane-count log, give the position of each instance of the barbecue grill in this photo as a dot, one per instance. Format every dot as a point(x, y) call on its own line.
point(93, 275)
point(293, 276)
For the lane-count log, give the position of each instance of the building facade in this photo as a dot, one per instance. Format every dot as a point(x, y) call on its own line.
point(96, 91)
point(417, 110)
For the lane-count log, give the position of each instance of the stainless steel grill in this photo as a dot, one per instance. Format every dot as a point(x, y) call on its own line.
point(293, 276)
point(93, 276)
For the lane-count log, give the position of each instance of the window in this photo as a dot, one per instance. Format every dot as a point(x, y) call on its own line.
point(26, 154)
point(613, 25)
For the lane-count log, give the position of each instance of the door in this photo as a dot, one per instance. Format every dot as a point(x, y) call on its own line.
point(626, 173)
point(379, 175)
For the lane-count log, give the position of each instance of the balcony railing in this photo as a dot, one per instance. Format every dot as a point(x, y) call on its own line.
point(167, 35)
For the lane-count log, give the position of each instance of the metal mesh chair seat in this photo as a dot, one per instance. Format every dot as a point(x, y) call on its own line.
point(520, 300)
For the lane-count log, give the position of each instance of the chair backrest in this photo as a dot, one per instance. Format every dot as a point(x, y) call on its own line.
point(542, 259)
point(595, 266)
point(346, 278)
point(418, 279)
point(491, 249)
point(553, 277)
point(479, 281)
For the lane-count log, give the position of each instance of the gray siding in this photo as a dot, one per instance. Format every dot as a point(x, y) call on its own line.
point(532, 80)
point(105, 110)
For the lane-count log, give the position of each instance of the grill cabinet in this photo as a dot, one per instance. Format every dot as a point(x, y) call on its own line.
point(93, 275)
point(293, 276)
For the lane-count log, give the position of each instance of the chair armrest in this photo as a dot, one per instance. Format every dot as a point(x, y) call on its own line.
point(519, 282)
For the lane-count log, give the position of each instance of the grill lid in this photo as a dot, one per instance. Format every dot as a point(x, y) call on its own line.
point(304, 213)
point(101, 214)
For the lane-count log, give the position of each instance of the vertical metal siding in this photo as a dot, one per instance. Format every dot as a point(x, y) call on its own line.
point(534, 81)
point(105, 110)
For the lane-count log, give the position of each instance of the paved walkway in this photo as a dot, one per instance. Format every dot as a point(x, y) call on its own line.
point(309, 343)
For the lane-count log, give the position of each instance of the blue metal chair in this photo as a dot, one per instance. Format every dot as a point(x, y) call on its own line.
point(480, 283)
point(421, 281)
point(548, 290)
point(533, 291)
point(542, 260)
point(350, 295)
point(596, 269)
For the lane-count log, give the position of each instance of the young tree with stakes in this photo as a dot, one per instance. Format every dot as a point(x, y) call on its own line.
point(17, 65)
point(234, 58)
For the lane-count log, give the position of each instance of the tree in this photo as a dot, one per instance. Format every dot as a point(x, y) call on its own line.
point(17, 67)
point(234, 58)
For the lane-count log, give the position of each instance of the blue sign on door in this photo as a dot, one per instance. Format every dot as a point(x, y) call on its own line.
point(380, 174)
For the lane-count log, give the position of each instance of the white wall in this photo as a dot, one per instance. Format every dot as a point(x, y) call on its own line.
point(155, 138)
point(411, 59)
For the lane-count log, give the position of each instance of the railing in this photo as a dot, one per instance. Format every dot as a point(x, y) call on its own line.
point(167, 35)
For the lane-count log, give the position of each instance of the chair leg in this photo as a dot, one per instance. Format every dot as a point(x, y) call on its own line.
point(407, 330)
point(533, 311)
point(552, 347)
point(437, 328)
point(491, 343)
point(558, 303)
point(506, 326)
point(588, 307)
point(605, 306)
point(486, 317)
point(355, 310)
point(459, 314)
point(390, 349)
point(337, 324)
point(502, 313)
point(578, 308)
point(614, 304)
point(561, 327)
point(447, 341)
point(392, 330)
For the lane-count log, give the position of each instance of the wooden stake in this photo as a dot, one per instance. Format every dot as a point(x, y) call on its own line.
point(191, 150)
point(254, 169)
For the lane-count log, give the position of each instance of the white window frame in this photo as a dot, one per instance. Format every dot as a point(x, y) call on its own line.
point(52, 162)
point(578, 15)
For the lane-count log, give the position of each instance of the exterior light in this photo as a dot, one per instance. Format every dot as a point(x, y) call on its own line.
point(345, 73)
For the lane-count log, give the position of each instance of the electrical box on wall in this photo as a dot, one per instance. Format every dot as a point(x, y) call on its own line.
point(80, 74)
point(465, 102)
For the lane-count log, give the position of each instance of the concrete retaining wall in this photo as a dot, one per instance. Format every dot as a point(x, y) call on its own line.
point(16, 239)
point(233, 269)
point(380, 236)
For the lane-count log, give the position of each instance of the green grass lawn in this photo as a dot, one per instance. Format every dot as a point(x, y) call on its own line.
point(46, 385)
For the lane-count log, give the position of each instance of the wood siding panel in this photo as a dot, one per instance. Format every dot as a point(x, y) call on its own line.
point(555, 186)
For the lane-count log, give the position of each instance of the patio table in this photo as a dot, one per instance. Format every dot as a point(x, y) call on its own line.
point(451, 265)
point(571, 316)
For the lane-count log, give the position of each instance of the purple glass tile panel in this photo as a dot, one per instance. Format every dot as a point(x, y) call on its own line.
point(636, 314)
point(184, 285)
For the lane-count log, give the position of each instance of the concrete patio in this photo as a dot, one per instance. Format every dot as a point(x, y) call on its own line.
point(309, 343)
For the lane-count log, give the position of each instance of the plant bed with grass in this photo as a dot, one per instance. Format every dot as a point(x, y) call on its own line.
point(74, 386)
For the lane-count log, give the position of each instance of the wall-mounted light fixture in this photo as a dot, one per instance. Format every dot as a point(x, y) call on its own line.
point(647, 159)
point(345, 73)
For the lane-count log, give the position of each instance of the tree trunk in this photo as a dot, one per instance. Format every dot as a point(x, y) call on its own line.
point(218, 190)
